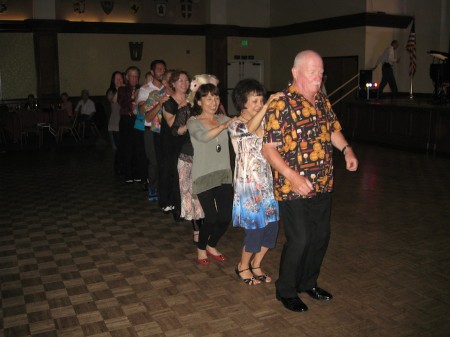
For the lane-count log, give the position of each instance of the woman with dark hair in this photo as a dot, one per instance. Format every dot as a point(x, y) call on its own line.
point(190, 205)
point(211, 171)
point(114, 117)
point(169, 188)
point(254, 206)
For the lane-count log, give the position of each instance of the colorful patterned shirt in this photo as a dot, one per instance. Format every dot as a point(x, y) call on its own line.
point(304, 132)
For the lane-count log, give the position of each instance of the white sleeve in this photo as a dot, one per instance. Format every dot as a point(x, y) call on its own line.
point(143, 94)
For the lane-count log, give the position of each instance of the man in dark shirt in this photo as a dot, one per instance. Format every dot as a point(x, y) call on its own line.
point(301, 130)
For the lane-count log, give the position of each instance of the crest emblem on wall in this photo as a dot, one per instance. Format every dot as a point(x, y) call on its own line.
point(79, 6)
point(136, 50)
point(186, 8)
point(161, 7)
point(135, 5)
point(3, 6)
point(107, 6)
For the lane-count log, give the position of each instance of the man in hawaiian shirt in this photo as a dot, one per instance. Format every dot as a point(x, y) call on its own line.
point(301, 130)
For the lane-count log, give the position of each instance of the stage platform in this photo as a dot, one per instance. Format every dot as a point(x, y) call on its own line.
point(410, 123)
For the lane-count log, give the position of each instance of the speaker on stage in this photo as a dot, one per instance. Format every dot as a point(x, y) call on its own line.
point(365, 76)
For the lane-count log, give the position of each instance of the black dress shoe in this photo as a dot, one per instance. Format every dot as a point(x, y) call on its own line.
point(293, 303)
point(319, 294)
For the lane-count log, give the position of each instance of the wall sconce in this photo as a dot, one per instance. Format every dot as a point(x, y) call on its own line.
point(136, 50)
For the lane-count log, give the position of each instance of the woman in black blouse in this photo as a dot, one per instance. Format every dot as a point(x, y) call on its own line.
point(169, 189)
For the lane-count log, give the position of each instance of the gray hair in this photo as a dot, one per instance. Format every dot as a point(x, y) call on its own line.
point(302, 55)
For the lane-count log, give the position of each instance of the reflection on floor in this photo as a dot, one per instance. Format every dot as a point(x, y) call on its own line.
point(83, 254)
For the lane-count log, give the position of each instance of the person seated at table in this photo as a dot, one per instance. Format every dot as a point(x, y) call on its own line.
point(85, 107)
point(66, 104)
point(31, 103)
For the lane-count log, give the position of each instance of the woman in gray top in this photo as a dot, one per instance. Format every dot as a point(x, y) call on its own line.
point(211, 171)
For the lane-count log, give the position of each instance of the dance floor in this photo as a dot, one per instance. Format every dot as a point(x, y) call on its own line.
point(83, 254)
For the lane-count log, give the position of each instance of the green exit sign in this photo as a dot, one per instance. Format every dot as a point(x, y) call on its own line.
point(244, 43)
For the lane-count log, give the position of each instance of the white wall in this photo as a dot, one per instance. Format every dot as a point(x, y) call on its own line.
point(284, 12)
point(44, 9)
point(377, 40)
point(432, 33)
point(342, 42)
point(248, 13)
point(396, 7)
point(216, 12)
point(17, 65)
point(445, 25)
point(86, 61)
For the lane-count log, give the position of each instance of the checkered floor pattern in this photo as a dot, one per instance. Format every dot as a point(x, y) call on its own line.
point(83, 254)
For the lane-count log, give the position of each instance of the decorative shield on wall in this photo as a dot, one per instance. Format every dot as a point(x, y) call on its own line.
point(136, 50)
point(135, 5)
point(79, 6)
point(186, 8)
point(161, 7)
point(3, 6)
point(107, 6)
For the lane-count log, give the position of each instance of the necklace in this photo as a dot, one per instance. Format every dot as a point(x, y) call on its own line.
point(218, 147)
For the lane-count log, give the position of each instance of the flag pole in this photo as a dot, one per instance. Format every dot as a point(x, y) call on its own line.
point(411, 96)
point(411, 48)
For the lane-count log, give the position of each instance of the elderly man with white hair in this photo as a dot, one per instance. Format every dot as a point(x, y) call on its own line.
point(301, 131)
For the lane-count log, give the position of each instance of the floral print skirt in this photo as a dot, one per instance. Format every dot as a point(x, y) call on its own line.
point(190, 206)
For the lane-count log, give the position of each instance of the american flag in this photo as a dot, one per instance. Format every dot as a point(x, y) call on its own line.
point(411, 48)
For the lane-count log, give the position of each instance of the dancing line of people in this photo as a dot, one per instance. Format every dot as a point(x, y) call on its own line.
point(172, 134)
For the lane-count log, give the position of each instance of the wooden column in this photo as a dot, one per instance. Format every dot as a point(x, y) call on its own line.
point(216, 57)
point(47, 65)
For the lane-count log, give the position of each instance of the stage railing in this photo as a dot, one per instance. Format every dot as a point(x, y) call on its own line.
point(351, 90)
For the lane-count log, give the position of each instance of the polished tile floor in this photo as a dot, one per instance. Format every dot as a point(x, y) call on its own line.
point(83, 254)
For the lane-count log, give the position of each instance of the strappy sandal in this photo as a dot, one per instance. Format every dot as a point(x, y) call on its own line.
point(250, 281)
point(263, 278)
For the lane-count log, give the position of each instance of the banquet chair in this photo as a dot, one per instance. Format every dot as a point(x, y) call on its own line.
point(89, 123)
point(28, 124)
point(66, 125)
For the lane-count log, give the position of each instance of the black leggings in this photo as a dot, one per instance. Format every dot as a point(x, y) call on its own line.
point(217, 203)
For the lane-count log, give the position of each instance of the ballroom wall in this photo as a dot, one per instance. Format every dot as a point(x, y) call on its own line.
point(292, 11)
point(249, 13)
point(87, 60)
point(122, 12)
point(257, 47)
point(17, 67)
point(432, 19)
point(96, 55)
point(329, 44)
point(432, 26)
